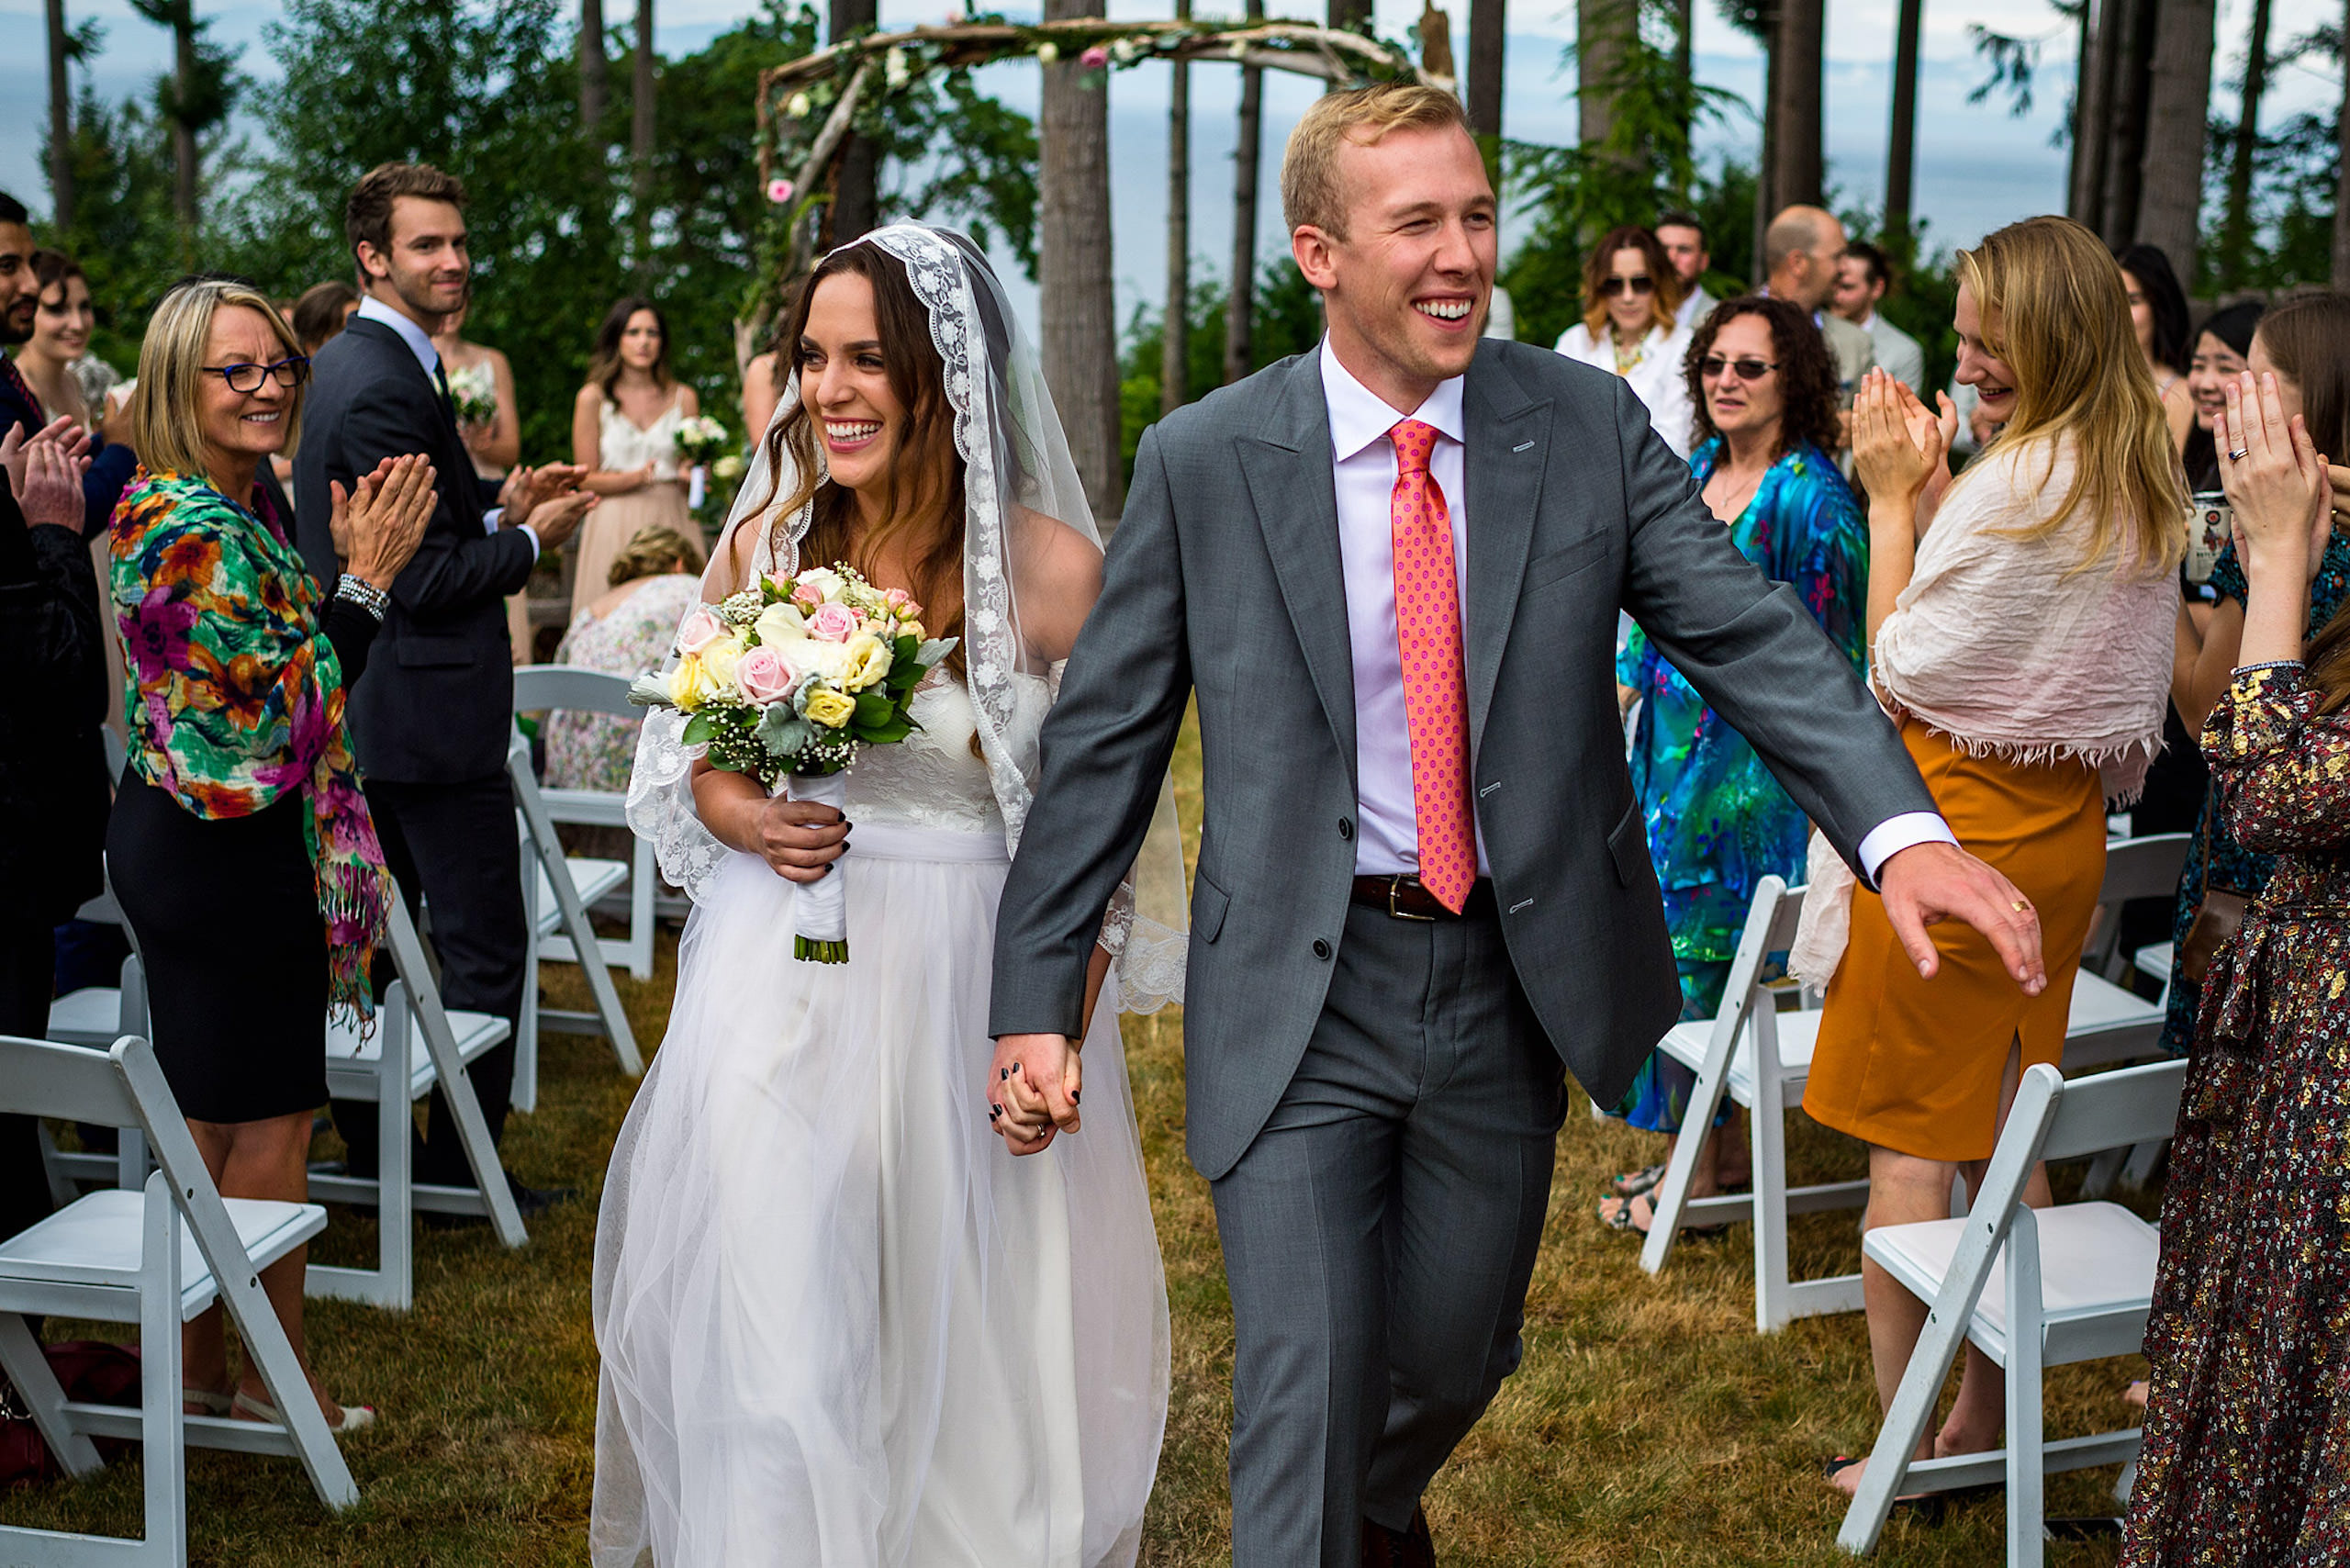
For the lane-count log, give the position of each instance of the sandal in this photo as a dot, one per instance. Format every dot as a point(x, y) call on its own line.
point(206, 1401)
point(347, 1418)
point(1626, 1217)
point(1633, 1183)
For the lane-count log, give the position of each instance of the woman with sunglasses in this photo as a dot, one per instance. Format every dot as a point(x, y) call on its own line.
point(240, 846)
point(1763, 385)
point(1631, 297)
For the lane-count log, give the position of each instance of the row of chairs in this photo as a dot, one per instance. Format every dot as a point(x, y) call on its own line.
point(158, 1247)
point(2066, 1285)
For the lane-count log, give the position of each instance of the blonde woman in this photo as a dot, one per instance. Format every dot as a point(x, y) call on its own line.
point(1631, 298)
point(624, 432)
point(2019, 618)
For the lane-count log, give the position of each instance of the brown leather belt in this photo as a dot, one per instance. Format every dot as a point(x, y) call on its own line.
point(1403, 898)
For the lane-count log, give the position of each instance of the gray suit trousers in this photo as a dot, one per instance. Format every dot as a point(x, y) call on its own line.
point(1379, 1234)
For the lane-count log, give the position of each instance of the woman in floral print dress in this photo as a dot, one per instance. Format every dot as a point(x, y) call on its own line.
point(2246, 1457)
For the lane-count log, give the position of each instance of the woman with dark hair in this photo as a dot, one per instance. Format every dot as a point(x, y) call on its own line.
point(1764, 389)
point(2157, 313)
point(624, 432)
point(1631, 297)
point(839, 1326)
point(322, 313)
point(2221, 351)
point(2305, 345)
point(2242, 1460)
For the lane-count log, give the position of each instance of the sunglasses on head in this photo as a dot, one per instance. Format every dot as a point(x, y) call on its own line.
point(1638, 284)
point(1713, 364)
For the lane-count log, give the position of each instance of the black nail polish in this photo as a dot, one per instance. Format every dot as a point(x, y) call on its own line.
point(1074, 1096)
point(1004, 1072)
point(1016, 1066)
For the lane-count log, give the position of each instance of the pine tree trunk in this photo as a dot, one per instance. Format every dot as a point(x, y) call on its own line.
point(595, 71)
point(1175, 330)
point(2179, 102)
point(1488, 31)
point(1684, 43)
point(183, 151)
point(2235, 231)
point(1766, 161)
point(61, 122)
point(1240, 299)
point(640, 140)
point(2093, 111)
point(1603, 27)
point(856, 199)
point(1901, 142)
point(1798, 169)
point(1354, 15)
point(2125, 152)
point(1080, 334)
point(2341, 180)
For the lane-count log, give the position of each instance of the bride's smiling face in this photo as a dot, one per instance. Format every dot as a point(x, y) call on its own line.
point(845, 384)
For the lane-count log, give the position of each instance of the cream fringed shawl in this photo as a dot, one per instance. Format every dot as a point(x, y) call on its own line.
point(2018, 648)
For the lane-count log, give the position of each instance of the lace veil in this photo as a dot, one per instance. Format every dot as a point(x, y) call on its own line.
point(1016, 457)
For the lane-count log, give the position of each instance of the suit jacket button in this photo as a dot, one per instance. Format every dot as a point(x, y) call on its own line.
point(1346, 827)
point(1321, 948)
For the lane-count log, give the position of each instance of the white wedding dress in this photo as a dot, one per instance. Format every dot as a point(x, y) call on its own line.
point(840, 1324)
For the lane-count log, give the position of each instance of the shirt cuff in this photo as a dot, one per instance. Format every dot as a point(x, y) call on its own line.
point(493, 520)
point(1898, 833)
point(527, 531)
point(1894, 835)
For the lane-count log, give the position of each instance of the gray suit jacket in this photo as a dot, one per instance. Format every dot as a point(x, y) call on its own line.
point(1223, 580)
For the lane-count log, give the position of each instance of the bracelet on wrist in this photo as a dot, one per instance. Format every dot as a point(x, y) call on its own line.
point(2243, 670)
point(352, 589)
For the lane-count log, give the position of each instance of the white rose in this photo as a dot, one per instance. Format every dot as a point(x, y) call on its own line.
point(823, 579)
point(781, 623)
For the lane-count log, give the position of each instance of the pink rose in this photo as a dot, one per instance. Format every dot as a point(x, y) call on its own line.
point(1094, 58)
point(897, 600)
point(807, 597)
point(779, 190)
point(763, 677)
point(833, 623)
point(699, 631)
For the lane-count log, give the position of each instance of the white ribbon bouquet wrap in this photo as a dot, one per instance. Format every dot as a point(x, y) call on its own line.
point(786, 680)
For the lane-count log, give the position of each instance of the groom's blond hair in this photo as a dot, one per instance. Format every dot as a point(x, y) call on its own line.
point(1310, 188)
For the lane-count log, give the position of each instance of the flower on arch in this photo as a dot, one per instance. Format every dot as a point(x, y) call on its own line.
point(779, 190)
point(1094, 58)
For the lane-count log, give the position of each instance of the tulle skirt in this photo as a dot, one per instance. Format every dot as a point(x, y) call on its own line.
point(839, 1325)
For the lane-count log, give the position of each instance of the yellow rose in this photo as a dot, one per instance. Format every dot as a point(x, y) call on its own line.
point(718, 662)
point(870, 661)
point(688, 684)
point(829, 708)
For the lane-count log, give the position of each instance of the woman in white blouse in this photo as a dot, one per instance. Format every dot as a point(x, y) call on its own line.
point(624, 432)
point(1630, 294)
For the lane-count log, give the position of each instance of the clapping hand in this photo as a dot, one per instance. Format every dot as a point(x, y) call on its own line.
point(378, 522)
point(51, 492)
point(16, 446)
point(1897, 441)
point(549, 498)
point(2280, 488)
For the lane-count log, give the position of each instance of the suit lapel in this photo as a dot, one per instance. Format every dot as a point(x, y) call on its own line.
point(1508, 449)
point(1288, 472)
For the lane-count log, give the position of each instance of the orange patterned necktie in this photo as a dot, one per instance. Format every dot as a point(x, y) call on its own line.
point(1436, 695)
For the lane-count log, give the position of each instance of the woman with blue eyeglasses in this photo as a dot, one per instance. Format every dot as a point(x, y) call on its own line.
point(240, 846)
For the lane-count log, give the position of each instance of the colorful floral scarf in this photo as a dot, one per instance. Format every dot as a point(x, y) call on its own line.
point(235, 695)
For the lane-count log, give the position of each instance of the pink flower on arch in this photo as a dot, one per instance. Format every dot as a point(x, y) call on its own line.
point(1094, 58)
point(779, 190)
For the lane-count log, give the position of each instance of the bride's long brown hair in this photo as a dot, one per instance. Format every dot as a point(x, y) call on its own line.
point(923, 496)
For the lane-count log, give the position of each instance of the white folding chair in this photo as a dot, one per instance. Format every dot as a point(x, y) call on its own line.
point(122, 1256)
point(543, 687)
point(386, 1068)
point(2109, 1024)
point(1760, 1058)
point(556, 891)
point(2032, 1289)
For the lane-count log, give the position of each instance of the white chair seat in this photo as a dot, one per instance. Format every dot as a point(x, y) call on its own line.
point(91, 1016)
point(593, 878)
point(2096, 1261)
point(96, 1240)
point(1798, 1035)
point(2098, 1003)
point(2153, 960)
point(352, 1060)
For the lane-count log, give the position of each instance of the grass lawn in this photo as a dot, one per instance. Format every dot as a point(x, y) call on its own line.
point(1648, 1425)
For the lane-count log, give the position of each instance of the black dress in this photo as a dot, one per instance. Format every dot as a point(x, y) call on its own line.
point(225, 913)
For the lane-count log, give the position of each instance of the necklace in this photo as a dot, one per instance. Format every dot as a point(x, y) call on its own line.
point(1736, 498)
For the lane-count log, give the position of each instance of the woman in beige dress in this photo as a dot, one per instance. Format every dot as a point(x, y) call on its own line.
point(477, 374)
point(624, 432)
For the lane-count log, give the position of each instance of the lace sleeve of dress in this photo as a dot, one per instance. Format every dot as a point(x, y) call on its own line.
point(2282, 767)
point(1147, 929)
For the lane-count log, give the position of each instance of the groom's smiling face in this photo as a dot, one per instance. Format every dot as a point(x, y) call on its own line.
point(1408, 286)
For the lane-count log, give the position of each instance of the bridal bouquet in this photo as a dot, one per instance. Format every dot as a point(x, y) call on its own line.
point(792, 678)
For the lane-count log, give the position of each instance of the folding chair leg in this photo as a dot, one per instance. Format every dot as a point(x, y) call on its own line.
point(2098, 1182)
point(2026, 1470)
point(583, 945)
point(1672, 1193)
point(2143, 1161)
point(27, 1369)
point(473, 1128)
point(1905, 1423)
point(523, 1093)
point(1773, 1295)
point(162, 1427)
point(391, 1285)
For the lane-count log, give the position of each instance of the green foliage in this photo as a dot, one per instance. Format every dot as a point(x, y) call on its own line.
point(1287, 320)
point(122, 232)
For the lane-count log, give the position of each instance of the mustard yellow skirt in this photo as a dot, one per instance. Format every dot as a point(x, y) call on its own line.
point(1914, 1065)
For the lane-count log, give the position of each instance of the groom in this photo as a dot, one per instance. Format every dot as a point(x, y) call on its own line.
point(1389, 572)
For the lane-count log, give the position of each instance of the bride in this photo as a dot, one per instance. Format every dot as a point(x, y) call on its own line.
point(839, 1325)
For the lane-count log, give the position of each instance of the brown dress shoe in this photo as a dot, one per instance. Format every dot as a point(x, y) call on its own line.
point(1407, 1548)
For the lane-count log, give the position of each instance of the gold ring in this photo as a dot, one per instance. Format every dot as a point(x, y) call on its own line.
point(2020, 907)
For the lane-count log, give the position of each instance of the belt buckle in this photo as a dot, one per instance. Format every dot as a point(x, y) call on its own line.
point(1395, 885)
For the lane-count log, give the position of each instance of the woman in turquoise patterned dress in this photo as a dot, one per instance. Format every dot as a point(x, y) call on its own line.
point(1764, 389)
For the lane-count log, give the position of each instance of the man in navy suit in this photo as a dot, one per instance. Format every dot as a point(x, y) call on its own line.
point(431, 716)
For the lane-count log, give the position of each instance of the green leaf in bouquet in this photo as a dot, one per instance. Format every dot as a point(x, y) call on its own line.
point(885, 734)
point(872, 708)
point(937, 649)
point(783, 731)
point(906, 646)
point(700, 728)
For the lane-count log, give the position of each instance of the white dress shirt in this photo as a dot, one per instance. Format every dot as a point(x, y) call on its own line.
point(420, 343)
point(1387, 835)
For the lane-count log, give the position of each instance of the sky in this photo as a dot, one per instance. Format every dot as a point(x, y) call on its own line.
point(1977, 167)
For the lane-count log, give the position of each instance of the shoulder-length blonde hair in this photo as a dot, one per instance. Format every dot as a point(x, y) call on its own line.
point(166, 417)
point(1599, 265)
point(2055, 311)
